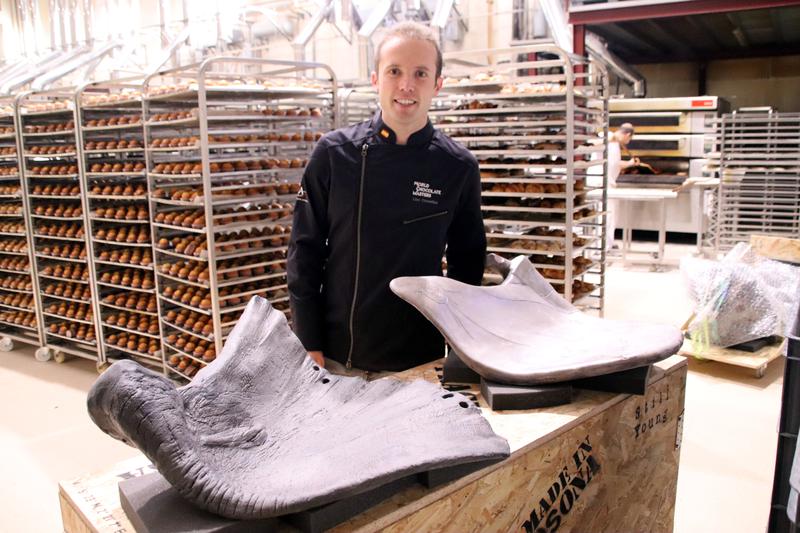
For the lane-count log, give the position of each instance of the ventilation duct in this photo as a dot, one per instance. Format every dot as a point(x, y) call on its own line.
point(562, 35)
point(52, 61)
point(44, 81)
point(600, 52)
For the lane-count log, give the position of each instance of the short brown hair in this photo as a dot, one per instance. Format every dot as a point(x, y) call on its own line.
point(411, 30)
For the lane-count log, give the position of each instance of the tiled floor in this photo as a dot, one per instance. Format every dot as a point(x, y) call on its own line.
point(727, 457)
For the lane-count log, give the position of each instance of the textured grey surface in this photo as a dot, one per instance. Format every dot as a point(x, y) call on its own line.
point(264, 432)
point(523, 332)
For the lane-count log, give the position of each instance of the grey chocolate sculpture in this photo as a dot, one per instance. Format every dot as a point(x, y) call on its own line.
point(264, 432)
point(522, 332)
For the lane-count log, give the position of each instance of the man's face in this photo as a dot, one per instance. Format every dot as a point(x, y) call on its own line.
point(625, 137)
point(406, 82)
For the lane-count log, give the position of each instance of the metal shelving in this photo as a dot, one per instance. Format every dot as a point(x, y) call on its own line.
point(113, 170)
point(536, 119)
point(18, 320)
point(226, 144)
point(55, 203)
point(759, 166)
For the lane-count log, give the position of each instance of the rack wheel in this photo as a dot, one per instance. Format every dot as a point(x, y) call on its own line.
point(102, 367)
point(61, 357)
point(6, 344)
point(43, 354)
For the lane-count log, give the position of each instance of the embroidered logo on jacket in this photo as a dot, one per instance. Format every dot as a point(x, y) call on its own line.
point(423, 192)
point(301, 195)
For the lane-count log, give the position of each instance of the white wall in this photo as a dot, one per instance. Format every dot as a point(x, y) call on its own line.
point(764, 81)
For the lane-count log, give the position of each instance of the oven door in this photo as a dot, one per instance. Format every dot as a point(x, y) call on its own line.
point(664, 121)
point(677, 145)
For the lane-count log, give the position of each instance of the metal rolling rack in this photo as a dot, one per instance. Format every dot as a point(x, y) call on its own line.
point(226, 144)
point(112, 167)
point(536, 120)
point(55, 202)
point(357, 103)
point(759, 190)
point(18, 318)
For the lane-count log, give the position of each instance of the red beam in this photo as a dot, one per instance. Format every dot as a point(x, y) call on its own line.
point(619, 12)
point(579, 39)
point(579, 48)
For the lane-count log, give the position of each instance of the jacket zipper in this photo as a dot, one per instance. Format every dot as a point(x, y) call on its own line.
point(364, 148)
point(426, 217)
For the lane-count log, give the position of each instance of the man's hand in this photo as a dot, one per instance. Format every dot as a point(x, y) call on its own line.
point(318, 358)
point(632, 162)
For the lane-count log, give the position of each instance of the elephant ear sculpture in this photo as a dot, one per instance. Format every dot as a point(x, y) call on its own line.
point(263, 431)
point(522, 332)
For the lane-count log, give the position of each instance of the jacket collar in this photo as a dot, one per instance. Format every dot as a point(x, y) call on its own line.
point(385, 135)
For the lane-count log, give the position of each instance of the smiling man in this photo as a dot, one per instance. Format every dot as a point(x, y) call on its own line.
point(382, 199)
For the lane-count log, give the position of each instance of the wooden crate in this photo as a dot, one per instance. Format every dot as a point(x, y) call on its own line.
point(757, 361)
point(780, 248)
point(606, 462)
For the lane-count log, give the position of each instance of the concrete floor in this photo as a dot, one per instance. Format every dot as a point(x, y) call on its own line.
point(727, 456)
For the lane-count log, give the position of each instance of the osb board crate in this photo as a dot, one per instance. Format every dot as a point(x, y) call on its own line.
point(606, 462)
point(780, 248)
point(757, 361)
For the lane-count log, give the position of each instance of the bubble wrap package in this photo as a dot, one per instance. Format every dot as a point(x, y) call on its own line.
point(740, 298)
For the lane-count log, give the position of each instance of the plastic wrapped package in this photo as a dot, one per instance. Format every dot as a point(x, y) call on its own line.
point(740, 298)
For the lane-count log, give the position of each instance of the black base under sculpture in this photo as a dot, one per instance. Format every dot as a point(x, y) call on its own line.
point(633, 381)
point(455, 371)
point(153, 506)
point(515, 397)
point(502, 397)
point(264, 432)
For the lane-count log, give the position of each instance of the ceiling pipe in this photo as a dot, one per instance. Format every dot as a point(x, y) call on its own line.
point(88, 17)
point(560, 29)
point(310, 29)
point(36, 23)
point(270, 16)
point(168, 52)
point(30, 74)
point(45, 80)
point(62, 23)
point(379, 13)
point(53, 23)
point(24, 30)
point(70, 10)
point(15, 69)
point(162, 24)
point(561, 32)
point(299, 43)
point(441, 13)
point(598, 50)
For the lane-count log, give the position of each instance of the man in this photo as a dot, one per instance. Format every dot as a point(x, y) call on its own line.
point(617, 142)
point(379, 200)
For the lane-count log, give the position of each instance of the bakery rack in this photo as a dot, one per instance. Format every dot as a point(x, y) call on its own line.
point(18, 316)
point(112, 169)
point(226, 144)
point(56, 205)
point(536, 119)
point(357, 103)
point(759, 190)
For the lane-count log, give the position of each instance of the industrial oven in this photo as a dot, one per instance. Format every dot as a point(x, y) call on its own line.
point(673, 137)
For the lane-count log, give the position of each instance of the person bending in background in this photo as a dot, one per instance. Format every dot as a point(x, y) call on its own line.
point(617, 145)
point(382, 199)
